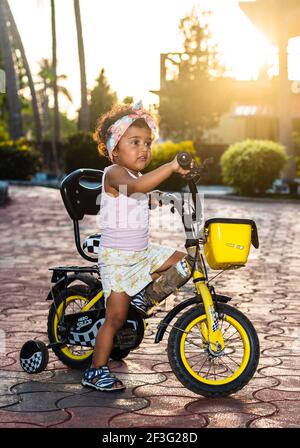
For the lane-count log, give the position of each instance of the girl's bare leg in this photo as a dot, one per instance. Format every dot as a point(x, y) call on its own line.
point(177, 256)
point(116, 313)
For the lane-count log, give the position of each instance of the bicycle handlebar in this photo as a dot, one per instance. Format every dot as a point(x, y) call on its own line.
point(184, 159)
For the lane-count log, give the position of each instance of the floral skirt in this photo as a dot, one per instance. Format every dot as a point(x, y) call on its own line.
point(128, 270)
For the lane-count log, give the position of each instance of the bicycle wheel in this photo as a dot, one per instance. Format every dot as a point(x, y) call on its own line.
point(197, 368)
point(68, 302)
point(118, 354)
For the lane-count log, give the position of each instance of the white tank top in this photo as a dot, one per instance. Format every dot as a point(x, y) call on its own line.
point(124, 220)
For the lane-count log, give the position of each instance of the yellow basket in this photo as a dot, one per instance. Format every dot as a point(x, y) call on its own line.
point(227, 242)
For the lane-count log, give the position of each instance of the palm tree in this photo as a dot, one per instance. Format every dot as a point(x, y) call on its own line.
point(56, 134)
point(45, 90)
point(18, 42)
point(84, 115)
point(45, 74)
point(13, 100)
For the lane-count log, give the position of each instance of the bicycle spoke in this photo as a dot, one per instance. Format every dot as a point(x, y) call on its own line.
point(214, 371)
point(221, 360)
point(217, 374)
point(222, 322)
point(207, 371)
point(203, 364)
point(233, 354)
point(191, 342)
point(232, 360)
point(236, 332)
point(226, 329)
point(199, 362)
point(197, 354)
point(237, 339)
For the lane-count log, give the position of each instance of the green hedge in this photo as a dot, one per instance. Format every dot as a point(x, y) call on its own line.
point(18, 160)
point(48, 159)
point(297, 161)
point(166, 152)
point(80, 151)
point(213, 176)
point(251, 166)
point(296, 142)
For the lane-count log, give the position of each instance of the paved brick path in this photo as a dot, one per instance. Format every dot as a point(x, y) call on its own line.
point(36, 233)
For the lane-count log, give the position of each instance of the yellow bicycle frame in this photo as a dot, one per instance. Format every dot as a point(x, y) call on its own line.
point(92, 302)
point(210, 329)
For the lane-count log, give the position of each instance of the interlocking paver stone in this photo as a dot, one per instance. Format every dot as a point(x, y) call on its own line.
point(101, 417)
point(36, 419)
point(36, 233)
point(139, 420)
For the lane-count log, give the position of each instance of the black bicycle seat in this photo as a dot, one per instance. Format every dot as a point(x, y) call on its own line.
point(80, 191)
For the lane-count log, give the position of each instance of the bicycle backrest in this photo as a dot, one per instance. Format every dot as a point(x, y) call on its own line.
point(80, 191)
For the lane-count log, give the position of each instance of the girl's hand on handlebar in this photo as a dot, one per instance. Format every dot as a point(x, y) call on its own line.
point(176, 168)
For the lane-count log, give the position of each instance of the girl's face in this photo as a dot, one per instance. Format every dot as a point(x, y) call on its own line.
point(134, 148)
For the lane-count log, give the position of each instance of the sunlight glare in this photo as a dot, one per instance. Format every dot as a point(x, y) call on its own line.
point(244, 49)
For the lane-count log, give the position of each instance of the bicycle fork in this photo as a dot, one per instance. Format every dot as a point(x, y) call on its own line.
point(210, 329)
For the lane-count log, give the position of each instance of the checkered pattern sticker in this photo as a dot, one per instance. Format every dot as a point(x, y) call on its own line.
point(91, 243)
point(88, 338)
point(215, 324)
point(33, 363)
point(85, 339)
point(214, 318)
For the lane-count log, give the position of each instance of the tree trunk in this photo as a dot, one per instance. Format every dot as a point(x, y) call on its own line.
point(14, 104)
point(84, 115)
point(45, 109)
point(284, 98)
point(56, 132)
point(19, 44)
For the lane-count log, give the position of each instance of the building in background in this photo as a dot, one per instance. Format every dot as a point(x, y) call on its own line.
point(254, 110)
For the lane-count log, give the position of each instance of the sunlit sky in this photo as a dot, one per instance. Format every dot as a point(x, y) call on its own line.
point(126, 37)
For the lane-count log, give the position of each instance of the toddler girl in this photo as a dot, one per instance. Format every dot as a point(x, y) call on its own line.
point(127, 261)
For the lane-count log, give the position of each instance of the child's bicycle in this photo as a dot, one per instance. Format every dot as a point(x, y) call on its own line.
point(213, 348)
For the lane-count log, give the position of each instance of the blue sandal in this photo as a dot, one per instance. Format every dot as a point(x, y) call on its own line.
point(101, 379)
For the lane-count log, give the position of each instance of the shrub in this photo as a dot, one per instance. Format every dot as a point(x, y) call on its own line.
point(80, 151)
point(4, 136)
point(213, 175)
point(18, 160)
point(296, 142)
point(297, 161)
point(251, 166)
point(49, 165)
point(166, 152)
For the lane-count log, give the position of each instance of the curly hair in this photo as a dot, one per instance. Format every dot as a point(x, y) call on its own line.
point(106, 120)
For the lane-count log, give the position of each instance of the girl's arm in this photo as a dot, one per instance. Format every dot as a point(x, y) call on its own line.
point(118, 176)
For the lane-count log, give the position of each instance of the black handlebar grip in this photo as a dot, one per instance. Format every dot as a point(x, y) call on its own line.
point(184, 159)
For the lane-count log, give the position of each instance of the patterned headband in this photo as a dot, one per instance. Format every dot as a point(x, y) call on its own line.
point(116, 130)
